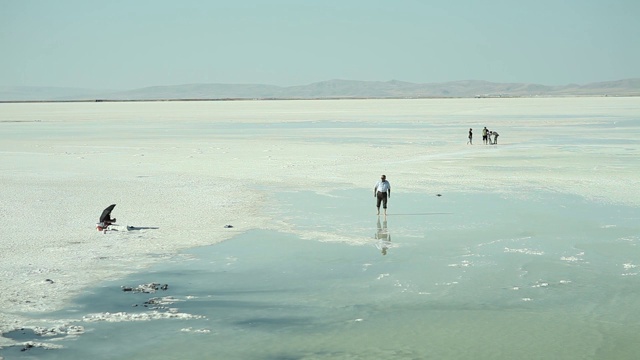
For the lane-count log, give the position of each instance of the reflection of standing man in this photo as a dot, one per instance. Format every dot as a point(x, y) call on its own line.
point(382, 191)
point(383, 236)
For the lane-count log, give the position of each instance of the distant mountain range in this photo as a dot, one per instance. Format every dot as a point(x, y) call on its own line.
point(325, 90)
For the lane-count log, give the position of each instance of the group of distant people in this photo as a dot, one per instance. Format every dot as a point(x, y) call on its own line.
point(486, 137)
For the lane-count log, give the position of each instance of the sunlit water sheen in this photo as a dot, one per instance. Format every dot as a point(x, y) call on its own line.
point(482, 276)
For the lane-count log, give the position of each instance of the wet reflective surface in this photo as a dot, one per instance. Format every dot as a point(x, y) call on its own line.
point(461, 275)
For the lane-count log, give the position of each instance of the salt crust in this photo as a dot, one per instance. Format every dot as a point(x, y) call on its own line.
point(143, 316)
point(62, 163)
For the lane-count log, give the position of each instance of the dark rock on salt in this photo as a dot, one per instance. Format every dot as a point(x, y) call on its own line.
point(146, 288)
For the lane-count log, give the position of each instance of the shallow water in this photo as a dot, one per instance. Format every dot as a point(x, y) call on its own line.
point(454, 276)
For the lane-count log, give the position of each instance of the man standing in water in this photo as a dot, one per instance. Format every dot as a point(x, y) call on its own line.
point(382, 192)
point(470, 142)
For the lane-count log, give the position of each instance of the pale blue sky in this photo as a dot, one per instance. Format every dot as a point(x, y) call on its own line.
point(125, 44)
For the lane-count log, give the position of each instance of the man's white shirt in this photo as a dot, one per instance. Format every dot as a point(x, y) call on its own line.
point(383, 186)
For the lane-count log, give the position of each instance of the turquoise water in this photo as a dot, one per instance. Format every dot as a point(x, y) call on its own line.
point(479, 276)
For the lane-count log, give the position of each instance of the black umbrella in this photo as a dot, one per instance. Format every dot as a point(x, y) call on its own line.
point(106, 214)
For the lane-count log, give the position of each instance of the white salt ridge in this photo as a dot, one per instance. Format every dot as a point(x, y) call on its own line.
point(540, 285)
point(523, 251)
point(464, 263)
point(382, 276)
point(196, 331)
point(629, 269)
point(58, 330)
point(573, 258)
point(146, 316)
point(546, 284)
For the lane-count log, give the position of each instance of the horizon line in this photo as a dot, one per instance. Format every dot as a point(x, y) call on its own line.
point(312, 83)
